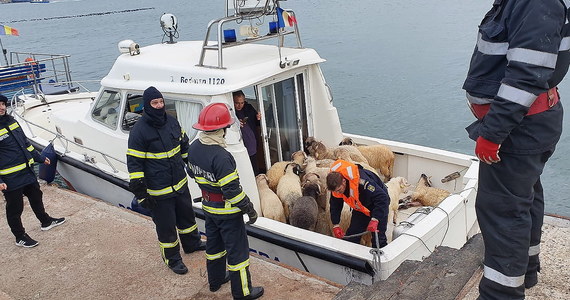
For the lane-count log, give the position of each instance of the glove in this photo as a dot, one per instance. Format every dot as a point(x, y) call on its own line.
point(138, 187)
point(251, 213)
point(487, 151)
point(373, 225)
point(338, 233)
point(148, 202)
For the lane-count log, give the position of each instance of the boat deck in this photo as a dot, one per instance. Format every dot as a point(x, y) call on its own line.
point(105, 252)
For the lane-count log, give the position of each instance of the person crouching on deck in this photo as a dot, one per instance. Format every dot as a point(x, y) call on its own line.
point(365, 193)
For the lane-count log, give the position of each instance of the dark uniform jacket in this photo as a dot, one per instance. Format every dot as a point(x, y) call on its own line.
point(158, 156)
point(372, 193)
point(514, 61)
point(17, 155)
point(214, 170)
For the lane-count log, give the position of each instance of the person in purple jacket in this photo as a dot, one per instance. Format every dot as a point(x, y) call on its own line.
point(249, 120)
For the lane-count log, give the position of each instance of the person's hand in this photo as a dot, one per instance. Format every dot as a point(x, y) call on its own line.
point(138, 187)
point(487, 151)
point(258, 116)
point(338, 233)
point(148, 202)
point(241, 122)
point(251, 213)
point(373, 225)
point(47, 161)
point(3, 186)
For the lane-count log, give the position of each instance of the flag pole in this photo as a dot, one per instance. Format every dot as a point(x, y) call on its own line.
point(4, 52)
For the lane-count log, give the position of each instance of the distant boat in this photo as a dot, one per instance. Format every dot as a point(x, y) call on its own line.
point(38, 1)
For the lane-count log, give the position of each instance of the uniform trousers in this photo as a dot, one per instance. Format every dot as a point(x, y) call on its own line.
point(227, 238)
point(510, 211)
point(175, 217)
point(15, 207)
point(359, 223)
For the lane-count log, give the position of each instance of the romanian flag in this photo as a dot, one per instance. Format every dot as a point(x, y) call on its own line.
point(5, 30)
point(284, 18)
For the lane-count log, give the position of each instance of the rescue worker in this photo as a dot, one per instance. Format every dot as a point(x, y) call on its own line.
point(224, 203)
point(366, 194)
point(520, 57)
point(158, 151)
point(17, 178)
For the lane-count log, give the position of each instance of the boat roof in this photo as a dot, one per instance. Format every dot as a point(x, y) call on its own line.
point(173, 67)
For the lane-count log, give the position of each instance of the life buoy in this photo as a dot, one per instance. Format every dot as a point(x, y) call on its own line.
point(30, 62)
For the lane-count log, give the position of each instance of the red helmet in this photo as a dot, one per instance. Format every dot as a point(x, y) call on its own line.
point(213, 117)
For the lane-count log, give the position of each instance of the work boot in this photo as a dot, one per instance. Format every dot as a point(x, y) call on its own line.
point(214, 288)
point(256, 292)
point(201, 247)
point(530, 280)
point(179, 268)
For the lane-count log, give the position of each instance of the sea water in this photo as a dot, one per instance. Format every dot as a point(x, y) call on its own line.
point(395, 67)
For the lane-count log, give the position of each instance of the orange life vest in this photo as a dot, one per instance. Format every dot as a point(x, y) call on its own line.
point(350, 172)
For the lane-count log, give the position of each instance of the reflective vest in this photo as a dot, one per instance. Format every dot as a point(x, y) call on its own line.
point(350, 172)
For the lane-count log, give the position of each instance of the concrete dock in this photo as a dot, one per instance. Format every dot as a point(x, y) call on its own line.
point(106, 252)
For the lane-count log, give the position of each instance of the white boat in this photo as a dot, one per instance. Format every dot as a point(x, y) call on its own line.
point(90, 133)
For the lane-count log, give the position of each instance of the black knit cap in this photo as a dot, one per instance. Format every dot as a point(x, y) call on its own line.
point(150, 94)
point(3, 99)
point(157, 117)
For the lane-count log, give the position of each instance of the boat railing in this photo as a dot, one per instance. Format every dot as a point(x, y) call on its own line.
point(65, 142)
point(37, 73)
point(239, 15)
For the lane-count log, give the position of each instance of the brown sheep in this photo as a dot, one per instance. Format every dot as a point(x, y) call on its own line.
point(428, 195)
point(379, 157)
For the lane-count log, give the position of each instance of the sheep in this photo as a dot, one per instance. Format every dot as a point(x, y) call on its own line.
point(320, 151)
point(379, 157)
point(305, 211)
point(309, 144)
point(289, 188)
point(325, 163)
point(347, 141)
point(396, 186)
point(271, 206)
point(428, 195)
point(278, 169)
point(316, 175)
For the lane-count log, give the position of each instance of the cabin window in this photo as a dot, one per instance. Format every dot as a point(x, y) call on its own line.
point(187, 114)
point(107, 109)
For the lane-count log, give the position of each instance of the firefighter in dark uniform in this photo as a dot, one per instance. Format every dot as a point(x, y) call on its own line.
point(365, 193)
point(17, 178)
point(158, 151)
point(224, 203)
point(520, 57)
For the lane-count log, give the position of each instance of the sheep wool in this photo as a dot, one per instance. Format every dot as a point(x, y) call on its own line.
point(271, 206)
point(289, 188)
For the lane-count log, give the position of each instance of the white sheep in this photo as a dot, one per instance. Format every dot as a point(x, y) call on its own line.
point(271, 206)
point(278, 169)
point(289, 188)
point(305, 211)
point(319, 151)
point(428, 195)
point(379, 157)
point(318, 175)
point(396, 186)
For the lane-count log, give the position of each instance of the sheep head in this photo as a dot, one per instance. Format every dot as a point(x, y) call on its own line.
point(298, 157)
point(312, 190)
point(293, 168)
point(346, 141)
point(310, 178)
point(261, 178)
point(424, 181)
point(319, 150)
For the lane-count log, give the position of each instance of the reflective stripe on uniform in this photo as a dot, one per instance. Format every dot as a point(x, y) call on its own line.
point(221, 211)
point(534, 250)
point(228, 178)
point(168, 245)
point(169, 189)
point(237, 198)
point(135, 175)
point(31, 148)
point(188, 230)
point(152, 155)
point(478, 100)
point(503, 279)
point(241, 268)
point(16, 168)
point(203, 180)
point(491, 48)
point(11, 126)
point(216, 256)
point(185, 155)
point(516, 95)
point(533, 57)
point(564, 44)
